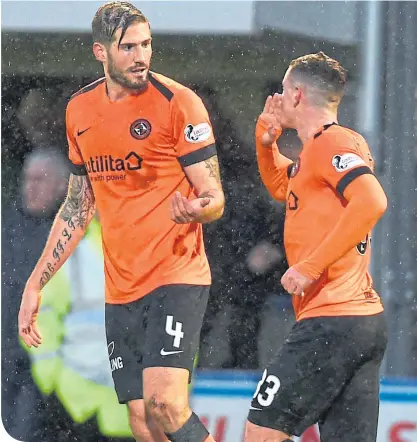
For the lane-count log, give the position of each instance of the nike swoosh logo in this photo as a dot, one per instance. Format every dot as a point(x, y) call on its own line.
point(166, 353)
point(80, 132)
point(257, 409)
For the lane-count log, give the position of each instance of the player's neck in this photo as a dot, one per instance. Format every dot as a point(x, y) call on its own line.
point(313, 121)
point(117, 92)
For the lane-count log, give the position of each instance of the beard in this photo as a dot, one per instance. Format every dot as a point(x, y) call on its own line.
point(122, 79)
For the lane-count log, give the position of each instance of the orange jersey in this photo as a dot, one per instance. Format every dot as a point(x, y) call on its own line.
point(134, 151)
point(332, 159)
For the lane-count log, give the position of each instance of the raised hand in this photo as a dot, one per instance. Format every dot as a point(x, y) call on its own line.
point(270, 118)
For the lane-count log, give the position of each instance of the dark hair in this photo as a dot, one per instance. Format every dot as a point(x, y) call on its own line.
point(113, 16)
point(322, 72)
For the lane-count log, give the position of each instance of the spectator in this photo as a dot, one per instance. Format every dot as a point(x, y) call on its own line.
point(25, 226)
point(37, 115)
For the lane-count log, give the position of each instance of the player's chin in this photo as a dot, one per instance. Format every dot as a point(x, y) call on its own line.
point(137, 83)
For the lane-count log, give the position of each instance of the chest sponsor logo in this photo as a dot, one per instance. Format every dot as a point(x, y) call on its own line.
point(108, 168)
point(346, 161)
point(292, 201)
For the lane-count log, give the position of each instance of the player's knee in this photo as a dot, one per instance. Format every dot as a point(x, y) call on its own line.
point(170, 411)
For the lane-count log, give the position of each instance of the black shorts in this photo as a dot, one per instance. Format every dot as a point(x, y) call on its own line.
point(327, 371)
point(161, 329)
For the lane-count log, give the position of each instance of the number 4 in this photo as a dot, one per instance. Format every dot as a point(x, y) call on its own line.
point(177, 333)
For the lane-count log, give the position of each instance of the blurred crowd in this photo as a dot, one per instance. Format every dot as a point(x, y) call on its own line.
point(65, 387)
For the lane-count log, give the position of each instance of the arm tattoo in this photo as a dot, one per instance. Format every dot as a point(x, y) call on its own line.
point(212, 165)
point(79, 205)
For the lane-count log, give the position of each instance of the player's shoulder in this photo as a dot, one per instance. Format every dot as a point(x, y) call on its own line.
point(80, 97)
point(341, 137)
point(172, 90)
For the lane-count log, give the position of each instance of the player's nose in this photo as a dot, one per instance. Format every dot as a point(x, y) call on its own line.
point(140, 55)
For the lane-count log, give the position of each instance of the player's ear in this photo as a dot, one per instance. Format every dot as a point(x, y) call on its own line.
point(297, 95)
point(100, 52)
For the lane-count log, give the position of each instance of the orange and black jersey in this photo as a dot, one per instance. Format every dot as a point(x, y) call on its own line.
point(313, 188)
point(134, 151)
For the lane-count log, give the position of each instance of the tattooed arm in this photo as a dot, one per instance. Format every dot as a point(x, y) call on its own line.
point(67, 230)
point(205, 178)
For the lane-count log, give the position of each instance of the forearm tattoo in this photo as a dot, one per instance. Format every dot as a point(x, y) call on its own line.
point(212, 165)
point(76, 211)
point(55, 257)
point(79, 205)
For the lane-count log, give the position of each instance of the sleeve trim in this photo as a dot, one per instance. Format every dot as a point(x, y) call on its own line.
point(351, 176)
point(77, 169)
point(198, 155)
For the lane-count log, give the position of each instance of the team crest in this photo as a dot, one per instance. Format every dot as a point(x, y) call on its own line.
point(140, 129)
point(295, 168)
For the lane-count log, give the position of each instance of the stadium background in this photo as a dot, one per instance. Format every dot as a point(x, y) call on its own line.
point(233, 54)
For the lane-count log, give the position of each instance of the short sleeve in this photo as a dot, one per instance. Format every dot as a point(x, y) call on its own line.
point(74, 154)
point(339, 161)
point(192, 129)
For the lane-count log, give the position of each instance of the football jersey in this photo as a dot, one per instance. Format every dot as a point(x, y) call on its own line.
point(328, 163)
point(134, 151)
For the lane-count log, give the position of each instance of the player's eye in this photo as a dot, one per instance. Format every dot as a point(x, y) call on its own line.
point(146, 44)
point(127, 48)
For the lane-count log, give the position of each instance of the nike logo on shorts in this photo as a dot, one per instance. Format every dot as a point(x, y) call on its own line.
point(167, 353)
point(257, 409)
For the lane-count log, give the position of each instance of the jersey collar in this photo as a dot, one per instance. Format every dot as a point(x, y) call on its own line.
point(324, 128)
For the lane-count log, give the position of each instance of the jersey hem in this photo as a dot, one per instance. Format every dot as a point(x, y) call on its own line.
point(129, 299)
point(345, 312)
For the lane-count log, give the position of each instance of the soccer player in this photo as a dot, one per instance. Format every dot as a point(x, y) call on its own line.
point(143, 153)
point(327, 371)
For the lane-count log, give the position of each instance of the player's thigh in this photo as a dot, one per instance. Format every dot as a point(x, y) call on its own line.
point(303, 379)
point(175, 318)
point(125, 333)
point(353, 415)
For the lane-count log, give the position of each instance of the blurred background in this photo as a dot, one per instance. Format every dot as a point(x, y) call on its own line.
point(233, 54)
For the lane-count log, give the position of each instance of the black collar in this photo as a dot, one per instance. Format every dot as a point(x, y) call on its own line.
point(325, 127)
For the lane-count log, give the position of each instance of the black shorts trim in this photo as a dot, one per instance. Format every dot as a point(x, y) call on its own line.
point(78, 169)
point(351, 176)
point(198, 155)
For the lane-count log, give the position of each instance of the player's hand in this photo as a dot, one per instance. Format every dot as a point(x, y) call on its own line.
point(295, 283)
point(271, 118)
point(29, 309)
point(184, 211)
